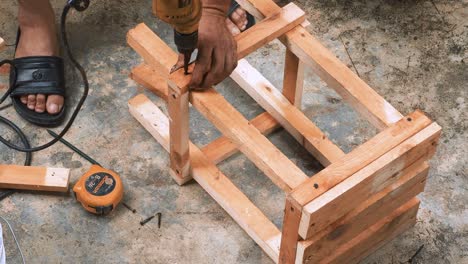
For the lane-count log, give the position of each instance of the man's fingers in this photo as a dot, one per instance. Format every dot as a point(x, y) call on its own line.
point(202, 66)
point(232, 27)
point(217, 72)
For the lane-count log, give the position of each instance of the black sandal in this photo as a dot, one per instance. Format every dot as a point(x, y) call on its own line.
point(250, 18)
point(37, 75)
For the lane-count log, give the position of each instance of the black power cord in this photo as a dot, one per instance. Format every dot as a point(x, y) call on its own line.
point(79, 5)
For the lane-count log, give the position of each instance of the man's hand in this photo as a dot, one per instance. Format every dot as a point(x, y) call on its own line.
point(217, 49)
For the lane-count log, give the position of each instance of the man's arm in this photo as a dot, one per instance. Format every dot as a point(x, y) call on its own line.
point(217, 49)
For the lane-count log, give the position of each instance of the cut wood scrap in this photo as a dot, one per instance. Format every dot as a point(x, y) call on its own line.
point(360, 157)
point(269, 29)
point(239, 207)
point(293, 80)
point(34, 178)
point(228, 120)
point(292, 119)
point(347, 195)
point(377, 235)
point(322, 245)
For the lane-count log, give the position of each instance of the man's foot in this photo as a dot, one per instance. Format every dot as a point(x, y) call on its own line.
point(39, 38)
point(237, 21)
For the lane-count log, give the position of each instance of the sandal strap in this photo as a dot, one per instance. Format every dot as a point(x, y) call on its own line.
point(37, 75)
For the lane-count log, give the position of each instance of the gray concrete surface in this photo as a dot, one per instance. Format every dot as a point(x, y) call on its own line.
point(414, 53)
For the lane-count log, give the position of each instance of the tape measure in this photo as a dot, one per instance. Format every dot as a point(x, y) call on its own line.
point(99, 190)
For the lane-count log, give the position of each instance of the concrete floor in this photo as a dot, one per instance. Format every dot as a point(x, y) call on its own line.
point(414, 53)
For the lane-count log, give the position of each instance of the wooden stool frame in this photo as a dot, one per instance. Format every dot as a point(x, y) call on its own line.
point(358, 202)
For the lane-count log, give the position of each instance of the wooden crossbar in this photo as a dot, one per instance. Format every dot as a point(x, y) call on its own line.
point(331, 70)
point(291, 118)
point(34, 178)
point(239, 207)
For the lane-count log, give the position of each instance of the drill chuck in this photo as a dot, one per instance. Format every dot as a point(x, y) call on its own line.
point(186, 42)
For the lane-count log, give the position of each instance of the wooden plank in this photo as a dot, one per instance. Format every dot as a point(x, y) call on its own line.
point(178, 108)
point(344, 197)
point(151, 80)
point(269, 29)
point(377, 235)
point(228, 120)
point(221, 148)
point(360, 157)
point(335, 73)
point(236, 204)
point(323, 244)
point(293, 80)
point(34, 178)
point(292, 119)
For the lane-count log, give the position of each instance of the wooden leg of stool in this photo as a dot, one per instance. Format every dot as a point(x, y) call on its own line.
point(178, 104)
point(293, 79)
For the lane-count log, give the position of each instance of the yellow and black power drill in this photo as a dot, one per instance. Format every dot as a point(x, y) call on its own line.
point(184, 16)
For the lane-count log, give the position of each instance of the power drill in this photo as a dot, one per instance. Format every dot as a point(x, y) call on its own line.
point(184, 16)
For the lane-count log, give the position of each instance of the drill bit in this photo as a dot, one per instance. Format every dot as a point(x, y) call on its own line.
point(187, 56)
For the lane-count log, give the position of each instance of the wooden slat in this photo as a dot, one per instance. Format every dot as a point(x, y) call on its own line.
point(292, 119)
point(228, 120)
point(221, 148)
point(236, 204)
point(323, 244)
point(34, 178)
point(360, 157)
point(377, 235)
point(335, 73)
point(347, 195)
point(269, 29)
point(293, 80)
point(178, 108)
